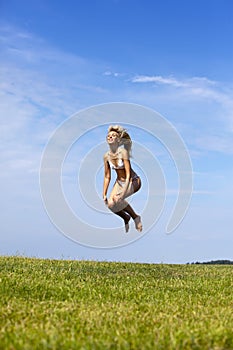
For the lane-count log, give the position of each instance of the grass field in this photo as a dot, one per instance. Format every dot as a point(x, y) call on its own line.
point(58, 304)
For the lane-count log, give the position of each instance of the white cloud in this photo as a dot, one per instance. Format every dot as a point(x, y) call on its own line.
point(113, 74)
point(158, 79)
point(201, 87)
point(108, 73)
point(194, 90)
point(34, 99)
point(171, 80)
point(217, 143)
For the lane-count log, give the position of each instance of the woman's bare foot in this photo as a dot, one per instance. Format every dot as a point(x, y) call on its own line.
point(138, 223)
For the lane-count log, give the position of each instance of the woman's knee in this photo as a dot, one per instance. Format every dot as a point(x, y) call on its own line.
point(111, 205)
point(117, 206)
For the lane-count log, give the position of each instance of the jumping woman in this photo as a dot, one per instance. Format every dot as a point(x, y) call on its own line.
point(127, 182)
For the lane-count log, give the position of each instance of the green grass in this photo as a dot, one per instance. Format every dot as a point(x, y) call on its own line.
point(57, 304)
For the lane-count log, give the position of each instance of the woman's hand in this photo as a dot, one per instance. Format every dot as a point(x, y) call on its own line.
point(105, 200)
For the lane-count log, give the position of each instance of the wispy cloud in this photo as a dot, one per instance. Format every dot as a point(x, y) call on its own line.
point(34, 98)
point(159, 79)
point(199, 89)
point(197, 86)
point(171, 80)
point(110, 73)
point(217, 143)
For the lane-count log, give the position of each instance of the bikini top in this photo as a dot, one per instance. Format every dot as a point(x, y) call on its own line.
point(120, 164)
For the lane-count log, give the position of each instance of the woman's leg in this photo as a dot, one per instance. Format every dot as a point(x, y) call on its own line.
point(136, 185)
point(122, 208)
point(116, 208)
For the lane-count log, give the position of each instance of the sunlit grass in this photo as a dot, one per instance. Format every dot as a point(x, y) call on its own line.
point(57, 304)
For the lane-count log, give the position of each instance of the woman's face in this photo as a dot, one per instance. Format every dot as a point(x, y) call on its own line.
point(112, 137)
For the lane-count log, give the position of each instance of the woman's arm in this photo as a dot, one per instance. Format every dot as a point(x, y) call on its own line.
point(125, 157)
point(107, 178)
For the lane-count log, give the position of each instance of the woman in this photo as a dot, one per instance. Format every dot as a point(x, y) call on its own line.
point(127, 182)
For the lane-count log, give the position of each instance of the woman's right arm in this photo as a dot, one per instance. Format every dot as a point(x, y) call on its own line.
point(107, 178)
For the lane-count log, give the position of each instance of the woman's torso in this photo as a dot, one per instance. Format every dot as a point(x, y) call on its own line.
point(116, 162)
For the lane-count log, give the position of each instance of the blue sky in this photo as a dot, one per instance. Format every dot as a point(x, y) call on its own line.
point(174, 57)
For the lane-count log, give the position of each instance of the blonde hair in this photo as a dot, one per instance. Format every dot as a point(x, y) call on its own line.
point(125, 139)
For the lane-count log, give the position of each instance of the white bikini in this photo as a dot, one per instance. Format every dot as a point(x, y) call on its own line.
point(120, 165)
